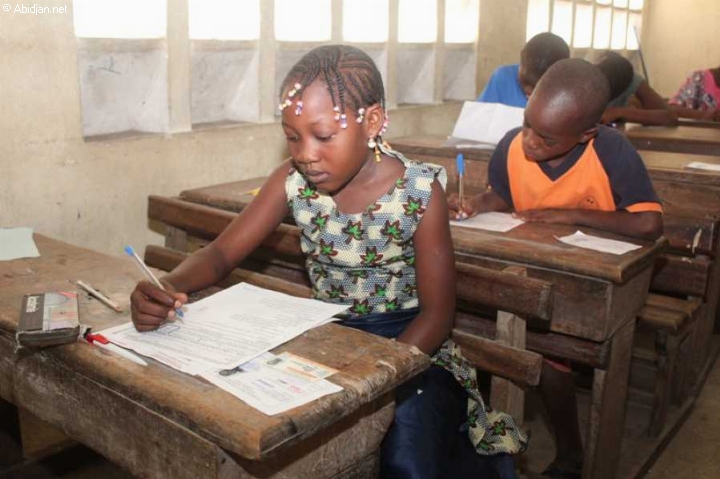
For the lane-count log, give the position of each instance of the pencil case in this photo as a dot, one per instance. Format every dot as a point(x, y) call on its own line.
point(48, 319)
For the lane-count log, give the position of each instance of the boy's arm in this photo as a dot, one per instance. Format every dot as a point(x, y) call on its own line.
point(662, 117)
point(653, 111)
point(435, 273)
point(644, 225)
point(151, 306)
point(473, 205)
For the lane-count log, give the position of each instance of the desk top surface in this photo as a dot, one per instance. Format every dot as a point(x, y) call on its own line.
point(660, 164)
point(532, 244)
point(368, 366)
point(686, 134)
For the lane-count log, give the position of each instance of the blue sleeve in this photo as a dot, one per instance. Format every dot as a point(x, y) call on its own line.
point(628, 176)
point(497, 169)
point(492, 91)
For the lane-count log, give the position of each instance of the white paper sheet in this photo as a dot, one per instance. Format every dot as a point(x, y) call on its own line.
point(226, 329)
point(16, 243)
point(699, 165)
point(274, 384)
point(487, 122)
point(493, 221)
point(581, 240)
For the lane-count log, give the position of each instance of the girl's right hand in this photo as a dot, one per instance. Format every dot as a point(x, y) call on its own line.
point(456, 212)
point(151, 306)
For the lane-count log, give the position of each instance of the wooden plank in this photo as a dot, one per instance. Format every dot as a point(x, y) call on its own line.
point(501, 290)
point(40, 439)
point(517, 365)
point(607, 410)
point(681, 275)
point(167, 259)
point(547, 344)
point(691, 236)
point(681, 139)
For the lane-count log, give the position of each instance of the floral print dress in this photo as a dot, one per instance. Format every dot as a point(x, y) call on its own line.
point(367, 261)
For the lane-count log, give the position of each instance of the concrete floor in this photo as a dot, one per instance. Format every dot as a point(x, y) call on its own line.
point(693, 453)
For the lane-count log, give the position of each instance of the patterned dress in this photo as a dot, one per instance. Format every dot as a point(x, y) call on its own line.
point(367, 261)
point(699, 92)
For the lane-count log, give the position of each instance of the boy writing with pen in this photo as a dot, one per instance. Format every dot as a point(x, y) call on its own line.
point(561, 166)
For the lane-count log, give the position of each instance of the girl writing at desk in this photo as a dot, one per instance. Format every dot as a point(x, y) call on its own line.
point(376, 237)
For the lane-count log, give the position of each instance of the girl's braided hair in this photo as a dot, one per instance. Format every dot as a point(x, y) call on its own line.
point(351, 76)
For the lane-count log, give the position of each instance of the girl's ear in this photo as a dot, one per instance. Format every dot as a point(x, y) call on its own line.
point(375, 116)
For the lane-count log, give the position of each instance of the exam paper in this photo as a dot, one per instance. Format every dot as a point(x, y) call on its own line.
point(274, 384)
point(16, 243)
point(596, 243)
point(487, 122)
point(494, 221)
point(226, 329)
point(699, 165)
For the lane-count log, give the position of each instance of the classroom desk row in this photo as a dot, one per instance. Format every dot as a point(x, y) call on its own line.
point(596, 296)
point(159, 423)
point(691, 201)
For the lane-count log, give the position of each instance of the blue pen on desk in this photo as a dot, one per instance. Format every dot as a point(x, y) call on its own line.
point(460, 163)
point(131, 252)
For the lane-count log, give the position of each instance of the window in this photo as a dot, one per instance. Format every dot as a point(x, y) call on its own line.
point(366, 21)
point(122, 64)
point(302, 20)
point(146, 66)
point(417, 21)
point(224, 19)
point(588, 24)
point(119, 18)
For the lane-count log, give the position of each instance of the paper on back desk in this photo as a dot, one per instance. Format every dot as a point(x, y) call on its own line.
point(486, 122)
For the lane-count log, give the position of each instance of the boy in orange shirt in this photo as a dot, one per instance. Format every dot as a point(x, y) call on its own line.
point(563, 167)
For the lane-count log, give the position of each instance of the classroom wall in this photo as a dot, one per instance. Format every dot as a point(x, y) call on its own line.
point(679, 36)
point(94, 193)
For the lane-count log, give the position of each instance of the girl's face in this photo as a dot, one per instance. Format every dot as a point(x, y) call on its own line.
point(326, 154)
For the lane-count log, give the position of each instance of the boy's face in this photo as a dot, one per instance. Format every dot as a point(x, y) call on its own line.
point(326, 154)
point(550, 129)
point(525, 81)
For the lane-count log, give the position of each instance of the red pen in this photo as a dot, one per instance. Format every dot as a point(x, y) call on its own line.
point(103, 342)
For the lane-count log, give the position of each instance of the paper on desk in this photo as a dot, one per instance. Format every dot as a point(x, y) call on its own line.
point(274, 384)
point(226, 329)
point(486, 122)
point(16, 243)
point(596, 243)
point(493, 221)
point(699, 165)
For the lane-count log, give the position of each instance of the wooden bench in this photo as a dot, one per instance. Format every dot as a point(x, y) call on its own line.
point(669, 324)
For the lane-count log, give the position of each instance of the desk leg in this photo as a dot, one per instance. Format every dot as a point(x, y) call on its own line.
point(607, 408)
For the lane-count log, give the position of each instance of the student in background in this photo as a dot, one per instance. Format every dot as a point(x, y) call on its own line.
point(699, 97)
point(650, 109)
point(563, 167)
point(512, 84)
point(376, 238)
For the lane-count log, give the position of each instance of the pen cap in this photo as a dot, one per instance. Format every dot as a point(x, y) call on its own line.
point(460, 163)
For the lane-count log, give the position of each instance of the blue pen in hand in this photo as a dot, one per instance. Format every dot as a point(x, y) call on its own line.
point(141, 264)
point(460, 163)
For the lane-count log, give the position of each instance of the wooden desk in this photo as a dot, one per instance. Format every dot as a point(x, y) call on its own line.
point(680, 139)
point(691, 200)
point(596, 295)
point(159, 423)
point(698, 123)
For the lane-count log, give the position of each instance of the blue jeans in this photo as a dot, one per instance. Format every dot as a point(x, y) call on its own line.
point(428, 438)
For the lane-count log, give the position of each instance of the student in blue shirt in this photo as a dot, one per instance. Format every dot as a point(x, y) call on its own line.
point(512, 84)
